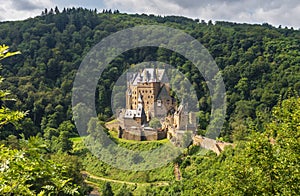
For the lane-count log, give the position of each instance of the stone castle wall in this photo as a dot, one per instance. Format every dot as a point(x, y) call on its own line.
point(141, 135)
point(210, 144)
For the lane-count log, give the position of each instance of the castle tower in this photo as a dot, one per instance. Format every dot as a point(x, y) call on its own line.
point(140, 112)
point(145, 90)
point(128, 99)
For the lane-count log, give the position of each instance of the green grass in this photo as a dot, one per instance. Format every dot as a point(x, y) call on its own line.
point(115, 186)
point(98, 168)
point(77, 139)
point(79, 148)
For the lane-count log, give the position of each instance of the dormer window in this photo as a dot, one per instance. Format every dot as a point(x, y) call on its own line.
point(159, 103)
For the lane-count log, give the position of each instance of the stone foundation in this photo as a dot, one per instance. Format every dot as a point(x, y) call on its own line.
point(141, 134)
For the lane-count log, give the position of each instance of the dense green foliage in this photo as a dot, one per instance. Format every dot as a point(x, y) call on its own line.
point(6, 114)
point(27, 169)
point(262, 164)
point(259, 64)
point(266, 164)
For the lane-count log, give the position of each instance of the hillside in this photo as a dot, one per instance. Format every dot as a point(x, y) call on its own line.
point(259, 63)
point(261, 72)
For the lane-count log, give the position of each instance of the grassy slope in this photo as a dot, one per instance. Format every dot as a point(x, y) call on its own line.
point(98, 168)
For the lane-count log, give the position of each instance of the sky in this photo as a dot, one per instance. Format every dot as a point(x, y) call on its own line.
point(274, 12)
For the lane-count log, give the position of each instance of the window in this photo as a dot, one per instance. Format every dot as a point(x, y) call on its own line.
point(159, 103)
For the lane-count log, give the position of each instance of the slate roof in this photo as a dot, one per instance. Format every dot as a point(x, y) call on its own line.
point(147, 75)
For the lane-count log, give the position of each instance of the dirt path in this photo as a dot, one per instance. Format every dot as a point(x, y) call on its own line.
point(160, 183)
point(95, 191)
point(177, 172)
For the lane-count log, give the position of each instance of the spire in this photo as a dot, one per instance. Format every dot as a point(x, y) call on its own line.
point(140, 99)
point(145, 77)
point(139, 77)
point(154, 73)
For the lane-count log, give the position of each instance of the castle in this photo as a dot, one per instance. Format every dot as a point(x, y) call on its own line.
point(148, 99)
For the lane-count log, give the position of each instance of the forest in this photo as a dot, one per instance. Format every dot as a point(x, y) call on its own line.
point(40, 150)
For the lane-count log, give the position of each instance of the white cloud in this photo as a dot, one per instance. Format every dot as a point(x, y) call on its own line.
point(22, 9)
point(275, 12)
point(252, 11)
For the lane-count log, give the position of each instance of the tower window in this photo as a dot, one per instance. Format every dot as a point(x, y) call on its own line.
point(159, 103)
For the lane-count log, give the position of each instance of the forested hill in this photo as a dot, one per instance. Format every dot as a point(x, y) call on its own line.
point(260, 65)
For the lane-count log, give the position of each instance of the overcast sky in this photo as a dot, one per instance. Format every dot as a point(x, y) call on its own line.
point(275, 12)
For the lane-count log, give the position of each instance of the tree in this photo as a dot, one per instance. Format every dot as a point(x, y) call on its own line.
point(64, 142)
point(29, 171)
point(266, 163)
point(67, 126)
point(107, 190)
point(155, 123)
point(124, 191)
point(25, 168)
point(7, 115)
point(56, 10)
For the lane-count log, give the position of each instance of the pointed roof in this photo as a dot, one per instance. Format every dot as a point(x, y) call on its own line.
point(163, 93)
point(147, 75)
point(129, 92)
point(140, 100)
